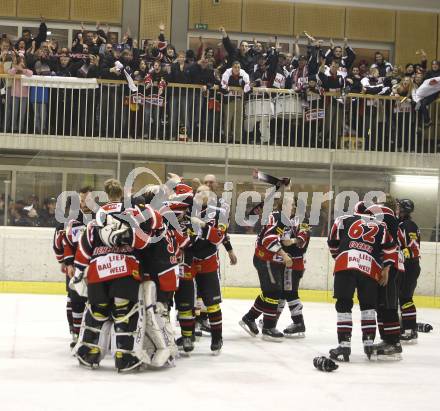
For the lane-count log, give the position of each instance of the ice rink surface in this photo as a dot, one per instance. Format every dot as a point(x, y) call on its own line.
point(37, 371)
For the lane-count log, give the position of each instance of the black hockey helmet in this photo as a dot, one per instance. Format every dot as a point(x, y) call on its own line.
point(360, 208)
point(406, 205)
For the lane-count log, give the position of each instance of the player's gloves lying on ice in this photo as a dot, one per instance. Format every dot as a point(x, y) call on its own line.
point(325, 364)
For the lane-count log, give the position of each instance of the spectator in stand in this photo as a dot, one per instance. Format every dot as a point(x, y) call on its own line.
point(335, 53)
point(47, 214)
point(372, 85)
point(27, 37)
point(202, 73)
point(17, 108)
point(181, 101)
point(393, 77)
point(155, 85)
point(209, 53)
point(332, 81)
point(232, 112)
point(242, 55)
point(141, 72)
point(381, 64)
point(5, 84)
point(410, 70)
point(111, 99)
point(39, 96)
point(2, 209)
point(163, 51)
point(83, 99)
point(266, 70)
point(423, 104)
point(354, 81)
point(302, 66)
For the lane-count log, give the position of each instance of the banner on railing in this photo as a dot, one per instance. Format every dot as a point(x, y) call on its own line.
point(60, 82)
point(315, 114)
point(153, 99)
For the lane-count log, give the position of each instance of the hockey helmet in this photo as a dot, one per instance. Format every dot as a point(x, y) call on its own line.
point(110, 229)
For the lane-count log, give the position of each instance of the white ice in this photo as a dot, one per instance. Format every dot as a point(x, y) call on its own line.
point(38, 373)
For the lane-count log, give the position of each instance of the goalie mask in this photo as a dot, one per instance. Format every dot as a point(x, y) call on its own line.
point(112, 231)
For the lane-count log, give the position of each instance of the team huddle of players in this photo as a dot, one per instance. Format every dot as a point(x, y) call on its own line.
point(127, 264)
point(126, 267)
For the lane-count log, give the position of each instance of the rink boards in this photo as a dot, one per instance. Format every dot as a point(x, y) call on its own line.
point(28, 265)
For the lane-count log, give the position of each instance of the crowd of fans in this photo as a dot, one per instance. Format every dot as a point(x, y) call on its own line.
point(160, 111)
point(29, 213)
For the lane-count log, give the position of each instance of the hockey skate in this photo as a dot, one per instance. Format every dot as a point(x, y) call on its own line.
point(197, 330)
point(272, 334)
point(369, 348)
point(340, 353)
point(125, 362)
point(203, 324)
point(216, 345)
point(409, 336)
point(295, 330)
point(250, 326)
point(187, 344)
point(88, 357)
point(180, 342)
point(74, 341)
point(386, 351)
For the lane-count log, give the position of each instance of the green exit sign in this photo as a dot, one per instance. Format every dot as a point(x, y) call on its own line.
point(201, 26)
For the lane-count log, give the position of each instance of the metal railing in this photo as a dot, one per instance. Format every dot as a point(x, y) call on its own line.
point(104, 109)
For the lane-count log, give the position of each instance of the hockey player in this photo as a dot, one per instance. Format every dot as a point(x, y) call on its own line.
point(270, 261)
point(209, 224)
point(106, 250)
point(66, 241)
point(202, 321)
point(363, 250)
point(409, 236)
point(159, 266)
point(387, 309)
point(180, 206)
point(295, 244)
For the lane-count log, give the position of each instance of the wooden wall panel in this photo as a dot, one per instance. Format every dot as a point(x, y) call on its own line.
point(370, 24)
point(267, 16)
point(227, 14)
point(194, 13)
point(50, 9)
point(438, 41)
point(154, 12)
point(105, 11)
point(319, 20)
point(8, 8)
point(413, 32)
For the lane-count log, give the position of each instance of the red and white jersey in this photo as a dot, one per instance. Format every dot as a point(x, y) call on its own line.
point(57, 243)
point(300, 232)
point(74, 231)
point(269, 238)
point(105, 263)
point(206, 240)
point(361, 243)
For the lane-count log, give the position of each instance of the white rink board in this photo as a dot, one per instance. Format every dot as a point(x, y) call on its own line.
point(26, 255)
point(37, 372)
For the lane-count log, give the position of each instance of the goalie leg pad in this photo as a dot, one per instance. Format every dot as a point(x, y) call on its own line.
point(129, 330)
point(160, 336)
point(94, 335)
